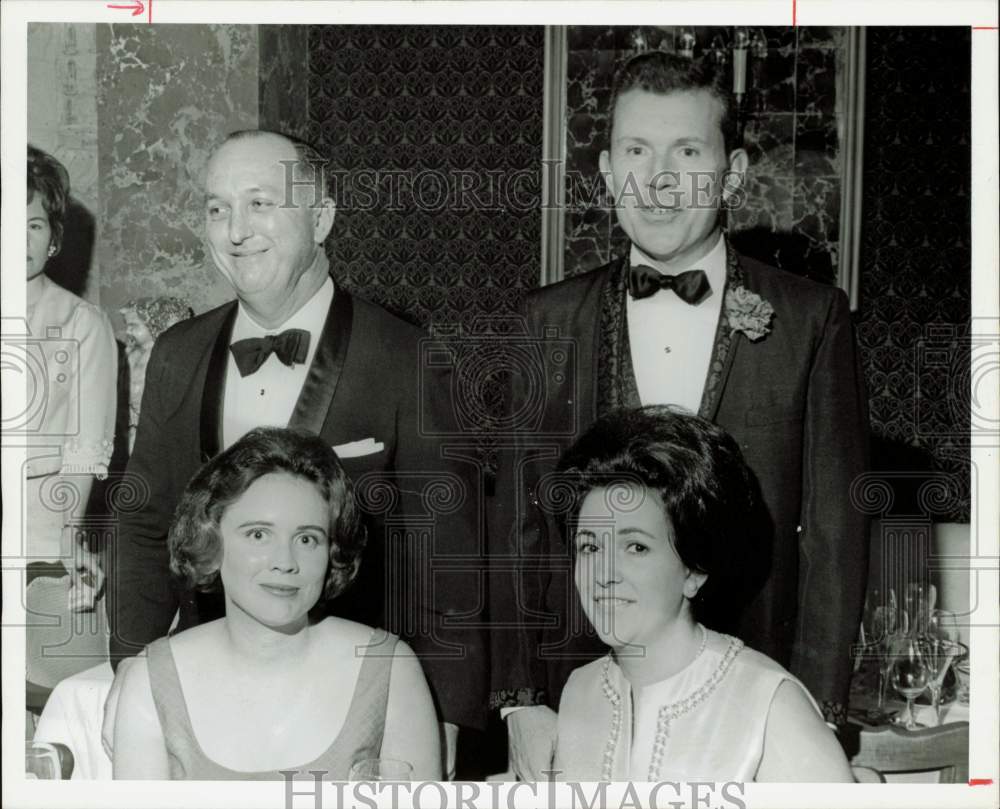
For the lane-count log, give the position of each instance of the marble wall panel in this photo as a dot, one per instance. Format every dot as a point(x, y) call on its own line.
point(62, 120)
point(166, 95)
point(791, 136)
point(284, 78)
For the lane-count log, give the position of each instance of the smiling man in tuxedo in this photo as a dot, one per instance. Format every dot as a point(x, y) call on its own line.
point(296, 350)
point(683, 319)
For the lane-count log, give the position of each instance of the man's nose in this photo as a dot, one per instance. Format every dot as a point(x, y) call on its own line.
point(239, 226)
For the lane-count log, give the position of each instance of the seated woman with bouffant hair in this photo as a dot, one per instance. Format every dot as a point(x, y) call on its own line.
point(660, 522)
point(273, 685)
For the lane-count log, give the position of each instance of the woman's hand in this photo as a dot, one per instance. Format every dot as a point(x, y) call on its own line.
point(532, 734)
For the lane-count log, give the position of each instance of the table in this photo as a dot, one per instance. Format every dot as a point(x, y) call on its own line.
point(73, 716)
point(864, 697)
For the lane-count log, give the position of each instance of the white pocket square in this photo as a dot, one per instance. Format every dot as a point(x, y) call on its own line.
point(358, 449)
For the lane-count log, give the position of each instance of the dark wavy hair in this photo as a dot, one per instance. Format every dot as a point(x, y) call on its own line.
point(48, 177)
point(195, 542)
point(709, 494)
point(661, 72)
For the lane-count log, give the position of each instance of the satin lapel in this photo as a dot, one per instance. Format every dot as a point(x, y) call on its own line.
point(726, 343)
point(214, 390)
point(313, 403)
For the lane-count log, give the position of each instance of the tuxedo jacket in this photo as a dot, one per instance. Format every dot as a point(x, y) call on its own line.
point(365, 381)
point(794, 401)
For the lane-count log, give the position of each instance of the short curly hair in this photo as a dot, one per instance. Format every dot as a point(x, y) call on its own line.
point(48, 177)
point(195, 541)
point(709, 494)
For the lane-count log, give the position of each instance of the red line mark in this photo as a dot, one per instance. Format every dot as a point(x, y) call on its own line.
point(980, 782)
point(150, 12)
point(794, 9)
point(984, 28)
point(136, 8)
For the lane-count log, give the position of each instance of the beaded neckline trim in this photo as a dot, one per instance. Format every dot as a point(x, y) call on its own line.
point(666, 714)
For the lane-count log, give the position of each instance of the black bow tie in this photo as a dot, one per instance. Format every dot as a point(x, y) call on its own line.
point(691, 286)
point(291, 346)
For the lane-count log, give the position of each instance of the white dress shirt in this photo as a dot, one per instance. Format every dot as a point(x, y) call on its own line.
point(267, 397)
point(671, 340)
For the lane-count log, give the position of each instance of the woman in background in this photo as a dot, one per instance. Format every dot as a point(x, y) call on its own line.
point(268, 688)
point(660, 517)
point(71, 363)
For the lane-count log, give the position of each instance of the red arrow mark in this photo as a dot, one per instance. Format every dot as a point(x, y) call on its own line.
point(980, 782)
point(137, 7)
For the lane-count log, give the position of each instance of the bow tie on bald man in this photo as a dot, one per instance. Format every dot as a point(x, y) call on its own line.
point(291, 346)
point(691, 286)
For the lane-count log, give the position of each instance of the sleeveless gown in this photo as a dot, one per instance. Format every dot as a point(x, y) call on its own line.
point(360, 737)
point(704, 723)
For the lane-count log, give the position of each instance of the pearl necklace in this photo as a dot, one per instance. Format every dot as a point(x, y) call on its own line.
point(667, 713)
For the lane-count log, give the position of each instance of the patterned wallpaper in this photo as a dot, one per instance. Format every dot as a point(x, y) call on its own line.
point(915, 254)
point(435, 135)
point(792, 214)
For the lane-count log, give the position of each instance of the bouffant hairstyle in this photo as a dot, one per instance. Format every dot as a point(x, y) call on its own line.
point(48, 177)
point(709, 494)
point(195, 542)
point(661, 72)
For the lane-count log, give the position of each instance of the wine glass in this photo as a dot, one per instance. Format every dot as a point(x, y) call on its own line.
point(878, 625)
point(910, 673)
point(916, 606)
point(938, 653)
point(380, 769)
point(943, 625)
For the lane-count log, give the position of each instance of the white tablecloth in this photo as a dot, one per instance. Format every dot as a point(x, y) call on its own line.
point(73, 716)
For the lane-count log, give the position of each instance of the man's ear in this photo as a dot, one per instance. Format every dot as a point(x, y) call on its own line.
point(732, 182)
point(323, 216)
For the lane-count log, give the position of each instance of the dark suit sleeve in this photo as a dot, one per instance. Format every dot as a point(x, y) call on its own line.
point(142, 599)
point(519, 546)
point(438, 476)
point(834, 533)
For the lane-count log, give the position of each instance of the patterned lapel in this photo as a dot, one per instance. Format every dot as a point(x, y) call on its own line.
point(616, 385)
point(725, 344)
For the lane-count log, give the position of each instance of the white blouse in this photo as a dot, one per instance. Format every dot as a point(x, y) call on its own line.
point(72, 374)
point(704, 723)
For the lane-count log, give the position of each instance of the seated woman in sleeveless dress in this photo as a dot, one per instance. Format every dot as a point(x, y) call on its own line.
point(660, 509)
point(269, 688)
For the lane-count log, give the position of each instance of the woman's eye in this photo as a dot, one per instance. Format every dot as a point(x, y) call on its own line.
point(214, 212)
point(586, 547)
point(637, 548)
point(309, 540)
point(689, 152)
point(256, 533)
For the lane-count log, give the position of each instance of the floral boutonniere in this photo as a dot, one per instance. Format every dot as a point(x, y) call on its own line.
point(748, 312)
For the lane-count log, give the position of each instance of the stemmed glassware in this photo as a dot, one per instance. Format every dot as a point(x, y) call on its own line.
point(880, 624)
point(910, 673)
